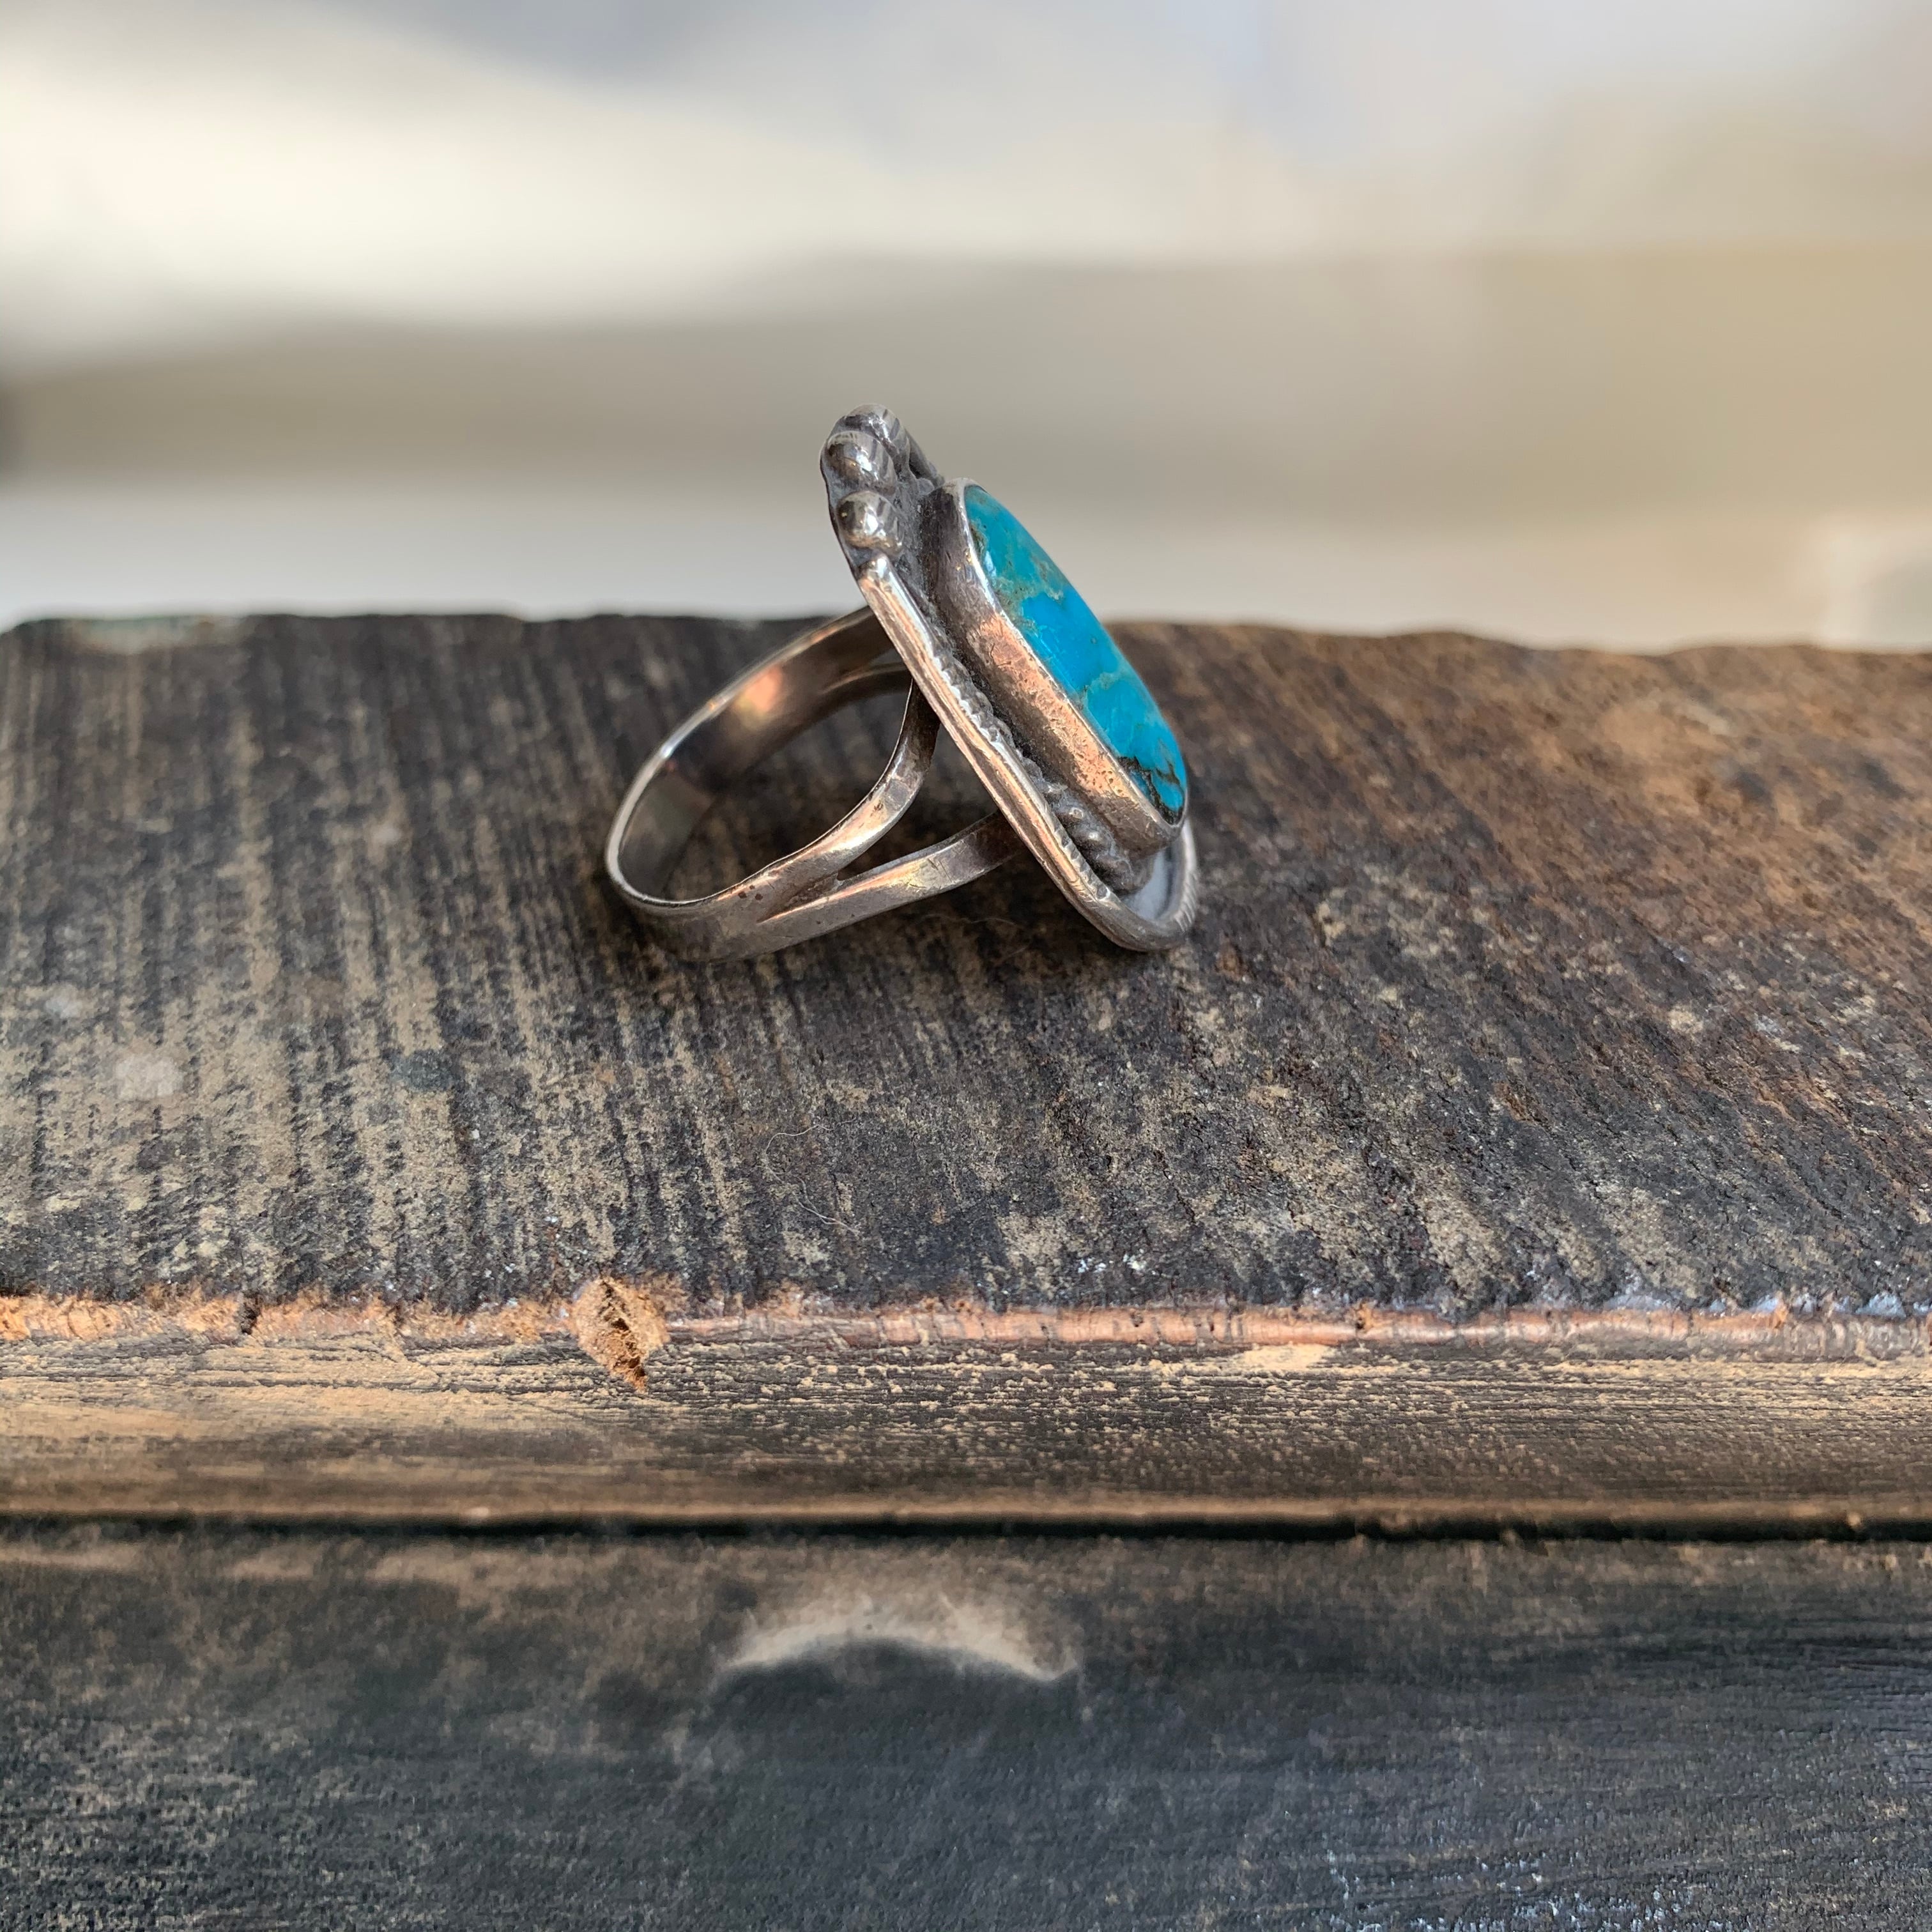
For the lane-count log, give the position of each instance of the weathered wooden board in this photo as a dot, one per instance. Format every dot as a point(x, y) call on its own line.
point(1541, 1120)
point(313, 1730)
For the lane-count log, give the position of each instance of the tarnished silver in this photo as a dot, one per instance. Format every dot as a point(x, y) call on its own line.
point(813, 889)
point(932, 627)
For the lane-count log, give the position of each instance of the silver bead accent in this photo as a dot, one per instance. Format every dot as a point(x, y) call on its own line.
point(858, 457)
point(866, 521)
point(879, 423)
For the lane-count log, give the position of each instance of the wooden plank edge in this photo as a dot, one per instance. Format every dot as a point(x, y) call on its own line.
point(1832, 1516)
point(603, 1409)
point(620, 1325)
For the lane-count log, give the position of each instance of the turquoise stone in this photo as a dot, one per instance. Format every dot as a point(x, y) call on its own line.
point(1073, 644)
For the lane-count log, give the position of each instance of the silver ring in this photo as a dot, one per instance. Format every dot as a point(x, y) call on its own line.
point(975, 622)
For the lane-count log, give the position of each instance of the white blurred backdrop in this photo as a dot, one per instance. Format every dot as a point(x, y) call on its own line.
point(1564, 320)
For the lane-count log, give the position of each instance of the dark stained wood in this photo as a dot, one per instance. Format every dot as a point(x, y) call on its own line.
point(313, 1730)
point(1540, 1121)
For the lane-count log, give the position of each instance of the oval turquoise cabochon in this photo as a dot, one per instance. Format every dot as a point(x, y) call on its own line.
point(1073, 644)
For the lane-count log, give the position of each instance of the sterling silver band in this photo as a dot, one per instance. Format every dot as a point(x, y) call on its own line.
point(813, 889)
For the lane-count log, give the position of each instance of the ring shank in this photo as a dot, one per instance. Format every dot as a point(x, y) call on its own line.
point(810, 890)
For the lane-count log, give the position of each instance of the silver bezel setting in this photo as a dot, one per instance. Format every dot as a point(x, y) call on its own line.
point(1071, 756)
point(1124, 866)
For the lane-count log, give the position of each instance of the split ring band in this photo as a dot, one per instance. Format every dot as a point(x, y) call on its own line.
point(812, 890)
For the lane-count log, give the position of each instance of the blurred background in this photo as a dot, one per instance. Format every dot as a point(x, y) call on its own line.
point(1561, 320)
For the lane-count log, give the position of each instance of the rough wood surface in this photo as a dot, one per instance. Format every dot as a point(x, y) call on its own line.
point(303, 1730)
point(1533, 994)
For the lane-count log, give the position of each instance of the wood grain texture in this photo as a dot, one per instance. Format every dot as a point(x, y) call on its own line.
point(312, 1730)
point(1532, 990)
